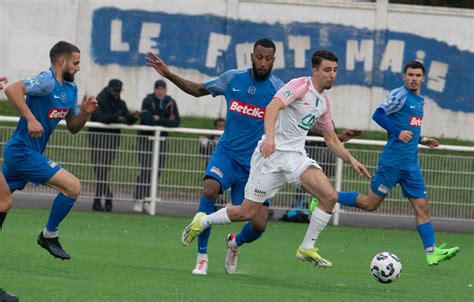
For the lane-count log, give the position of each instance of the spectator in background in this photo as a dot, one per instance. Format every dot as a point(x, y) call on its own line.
point(104, 142)
point(158, 109)
point(209, 143)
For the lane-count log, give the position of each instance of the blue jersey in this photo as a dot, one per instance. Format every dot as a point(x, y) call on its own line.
point(405, 109)
point(49, 101)
point(246, 100)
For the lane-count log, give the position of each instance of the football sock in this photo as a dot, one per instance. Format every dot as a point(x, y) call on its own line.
point(219, 217)
point(3, 215)
point(347, 198)
point(206, 206)
point(317, 223)
point(201, 256)
point(61, 206)
point(247, 234)
point(426, 232)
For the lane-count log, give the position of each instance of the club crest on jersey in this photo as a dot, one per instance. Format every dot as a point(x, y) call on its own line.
point(57, 113)
point(415, 121)
point(252, 90)
point(246, 109)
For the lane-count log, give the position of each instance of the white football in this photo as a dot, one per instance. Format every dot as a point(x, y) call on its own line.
point(386, 267)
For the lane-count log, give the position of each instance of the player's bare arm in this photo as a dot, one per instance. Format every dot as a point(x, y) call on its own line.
point(16, 96)
point(335, 145)
point(429, 142)
point(3, 81)
point(405, 136)
point(194, 89)
point(77, 122)
point(271, 115)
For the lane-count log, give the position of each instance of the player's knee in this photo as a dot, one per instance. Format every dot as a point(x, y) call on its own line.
point(74, 189)
point(6, 202)
point(210, 192)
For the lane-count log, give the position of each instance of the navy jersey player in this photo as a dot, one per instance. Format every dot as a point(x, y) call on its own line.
point(401, 114)
point(247, 93)
point(50, 96)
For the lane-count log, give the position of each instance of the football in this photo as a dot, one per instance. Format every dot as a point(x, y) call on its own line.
point(386, 267)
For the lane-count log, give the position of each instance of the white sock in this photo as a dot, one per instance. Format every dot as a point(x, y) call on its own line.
point(219, 217)
point(319, 220)
point(233, 244)
point(201, 257)
point(48, 234)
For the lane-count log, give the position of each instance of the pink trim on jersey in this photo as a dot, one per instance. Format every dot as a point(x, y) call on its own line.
point(325, 123)
point(293, 90)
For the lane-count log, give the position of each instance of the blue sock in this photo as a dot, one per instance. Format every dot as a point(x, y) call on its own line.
point(426, 232)
point(207, 206)
point(347, 198)
point(61, 207)
point(247, 234)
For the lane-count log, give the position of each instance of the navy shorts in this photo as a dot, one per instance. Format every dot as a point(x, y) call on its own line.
point(385, 178)
point(22, 165)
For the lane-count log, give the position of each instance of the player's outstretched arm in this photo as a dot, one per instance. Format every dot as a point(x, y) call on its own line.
point(76, 122)
point(190, 87)
point(429, 142)
point(335, 145)
point(3, 81)
point(16, 96)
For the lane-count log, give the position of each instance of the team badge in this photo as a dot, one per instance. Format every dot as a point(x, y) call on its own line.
point(252, 90)
point(287, 93)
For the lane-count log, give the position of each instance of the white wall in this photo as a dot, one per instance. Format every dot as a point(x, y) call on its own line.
point(29, 28)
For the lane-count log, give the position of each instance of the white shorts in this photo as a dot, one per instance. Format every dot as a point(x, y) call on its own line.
point(268, 176)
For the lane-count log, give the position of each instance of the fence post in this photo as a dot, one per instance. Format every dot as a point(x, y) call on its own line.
point(154, 171)
point(337, 208)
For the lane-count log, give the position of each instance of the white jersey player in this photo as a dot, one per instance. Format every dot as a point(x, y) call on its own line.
point(280, 157)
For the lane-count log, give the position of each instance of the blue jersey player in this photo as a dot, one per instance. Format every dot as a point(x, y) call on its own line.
point(247, 93)
point(401, 114)
point(50, 97)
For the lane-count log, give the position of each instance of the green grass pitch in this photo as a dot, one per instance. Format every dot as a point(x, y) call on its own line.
point(120, 257)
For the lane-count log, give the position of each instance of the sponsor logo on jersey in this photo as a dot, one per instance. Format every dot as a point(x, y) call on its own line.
point(217, 171)
point(383, 189)
point(246, 109)
point(415, 121)
point(260, 193)
point(59, 113)
point(307, 122)
point(33, 81)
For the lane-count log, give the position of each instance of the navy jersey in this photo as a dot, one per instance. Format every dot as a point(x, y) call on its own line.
point(405, 109)
point(246, 100)
point(49, 101)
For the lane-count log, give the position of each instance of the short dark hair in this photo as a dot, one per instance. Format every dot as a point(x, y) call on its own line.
point(267, 43)
point(62, 48)
point(320, 55)
point(218, 120)
point(414, 65)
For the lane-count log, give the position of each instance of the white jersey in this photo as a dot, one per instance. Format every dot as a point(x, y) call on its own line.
point(305, 107)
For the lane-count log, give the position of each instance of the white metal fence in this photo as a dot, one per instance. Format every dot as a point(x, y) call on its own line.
point(448, 171)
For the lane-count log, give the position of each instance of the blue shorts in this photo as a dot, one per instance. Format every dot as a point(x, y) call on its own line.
point(229, 173)
point(385, 178)
point(22, 165)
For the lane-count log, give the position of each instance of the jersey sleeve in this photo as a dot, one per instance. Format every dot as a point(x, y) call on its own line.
point(293, 90)
point(325, 123)
point(218, 85)
point(40, 85)
point(76, 109)
point(394, 101)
